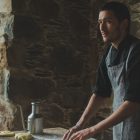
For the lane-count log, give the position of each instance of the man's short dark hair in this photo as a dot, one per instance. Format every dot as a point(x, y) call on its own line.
point(119, 9)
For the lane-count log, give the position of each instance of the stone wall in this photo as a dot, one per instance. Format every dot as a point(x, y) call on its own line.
point(51, 58)
point(135, 30)
point(7, 109)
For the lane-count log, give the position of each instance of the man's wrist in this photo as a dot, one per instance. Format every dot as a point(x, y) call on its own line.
point(78, 125)
point(92, 131)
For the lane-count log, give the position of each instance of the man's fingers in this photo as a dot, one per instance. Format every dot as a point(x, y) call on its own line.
point(65, 137)
point(75, 136)
point(68, 134)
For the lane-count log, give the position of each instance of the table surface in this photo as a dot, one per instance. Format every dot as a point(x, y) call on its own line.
point(48, 134)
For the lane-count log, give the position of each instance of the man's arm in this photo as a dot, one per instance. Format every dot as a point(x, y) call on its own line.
point(125, 110)
point(93, 105)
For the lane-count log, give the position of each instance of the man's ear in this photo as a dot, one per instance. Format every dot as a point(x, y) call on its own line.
point(124, 24)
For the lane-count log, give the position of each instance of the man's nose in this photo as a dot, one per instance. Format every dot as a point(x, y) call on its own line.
point(102, 26)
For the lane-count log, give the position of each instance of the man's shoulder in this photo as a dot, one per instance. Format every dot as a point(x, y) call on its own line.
point(135, 46)
point(135, 41)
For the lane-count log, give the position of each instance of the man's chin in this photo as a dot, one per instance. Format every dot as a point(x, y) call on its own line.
point(106, 40)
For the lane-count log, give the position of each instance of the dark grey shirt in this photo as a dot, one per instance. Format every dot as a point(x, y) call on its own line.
point(132, 74)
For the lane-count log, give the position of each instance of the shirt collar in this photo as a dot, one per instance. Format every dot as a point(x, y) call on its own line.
point(122, 44)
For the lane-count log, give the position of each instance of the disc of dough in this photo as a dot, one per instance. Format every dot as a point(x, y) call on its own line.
point(23, 136)
point(6, 133)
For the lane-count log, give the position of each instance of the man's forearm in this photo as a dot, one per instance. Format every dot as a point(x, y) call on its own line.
point(126, 110)
point(94, 103)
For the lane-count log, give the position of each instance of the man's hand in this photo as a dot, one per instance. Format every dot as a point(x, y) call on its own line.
point(82, 134)
point(94, 104)
point(79, 135)
point(70, 132)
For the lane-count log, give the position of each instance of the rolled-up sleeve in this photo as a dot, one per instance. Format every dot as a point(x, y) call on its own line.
point(103, 85)
point(132, 80)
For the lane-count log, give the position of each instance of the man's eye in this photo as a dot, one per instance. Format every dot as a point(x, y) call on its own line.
point(109, 21)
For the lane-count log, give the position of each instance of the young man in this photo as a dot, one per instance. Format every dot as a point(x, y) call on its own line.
point(118, 73)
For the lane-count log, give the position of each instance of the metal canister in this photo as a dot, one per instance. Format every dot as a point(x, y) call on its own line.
point(35, 120)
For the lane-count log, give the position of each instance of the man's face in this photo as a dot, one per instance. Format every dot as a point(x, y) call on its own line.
point(110, 27)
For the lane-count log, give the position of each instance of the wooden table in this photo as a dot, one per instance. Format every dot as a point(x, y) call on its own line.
point(49, 134)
